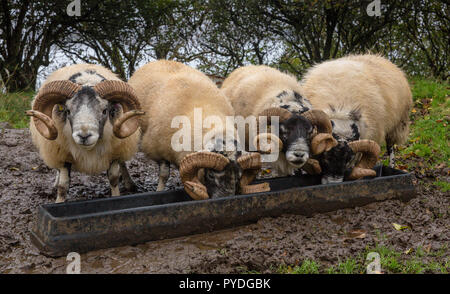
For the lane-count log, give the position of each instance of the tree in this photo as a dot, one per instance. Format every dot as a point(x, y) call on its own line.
point(28, 30)
point(122, 34)
point(426, 30)
point(314, 31)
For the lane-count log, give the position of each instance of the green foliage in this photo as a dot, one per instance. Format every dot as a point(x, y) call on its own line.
point(430, 130)
point(307, 267)
point(13, 107)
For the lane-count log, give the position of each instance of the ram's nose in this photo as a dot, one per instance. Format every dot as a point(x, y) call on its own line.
point(85, 138)
point(297, 157)
point(301, 155)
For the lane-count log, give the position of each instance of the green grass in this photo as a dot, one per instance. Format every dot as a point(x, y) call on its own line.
point(429, 140)
point(307, 267)
point(430, 130)
point(13, 107)
point(413, 262)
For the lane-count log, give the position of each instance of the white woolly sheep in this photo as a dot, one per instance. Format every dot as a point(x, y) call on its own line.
point(168, 89)
point(264, 91)
point(366, 97)
point(84, 117)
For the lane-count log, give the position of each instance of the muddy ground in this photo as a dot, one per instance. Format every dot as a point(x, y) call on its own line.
point(26, 183)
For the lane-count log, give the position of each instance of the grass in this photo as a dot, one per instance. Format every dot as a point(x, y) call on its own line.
point(13, 107)
point(391, 261)
point(428, 146)
point(430, 130)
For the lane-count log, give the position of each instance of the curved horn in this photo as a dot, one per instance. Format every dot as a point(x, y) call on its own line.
point(312, 167)
point(251, 164)
point(258, 188)
point(322, 142)
point(270, 138)
point(190, 165)
point(319, 119)
point(358, 173)
point(370, 151)
point(124, 94)
point(284, 114)
point(49, 131)
point(196, 190)
point(50, 94)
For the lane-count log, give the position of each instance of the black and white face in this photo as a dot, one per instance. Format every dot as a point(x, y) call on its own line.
point(223, 183)
point(292, 101)
point(86, 115)
point(345, 129)
point(226, 182)
point(346, 124)
point(295, 133)
point(338, 163)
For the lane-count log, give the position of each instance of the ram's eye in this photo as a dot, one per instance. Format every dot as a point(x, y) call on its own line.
point(60, 108)
point(104, 112)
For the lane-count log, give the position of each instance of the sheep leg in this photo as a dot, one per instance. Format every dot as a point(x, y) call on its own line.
point(164, 172)
point(113, 176)
point(390, 151)
point(55, 183)
point(130, 185)
point(63, 179)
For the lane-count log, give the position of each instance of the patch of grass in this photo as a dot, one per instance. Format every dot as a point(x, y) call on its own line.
point(427, 88)
point(307, 267)
point(444, 186)
point(415, 261)
point(430, 130)
point(13, 107)
point(349, 266)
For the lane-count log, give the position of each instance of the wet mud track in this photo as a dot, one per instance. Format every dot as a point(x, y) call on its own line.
point(26, 183)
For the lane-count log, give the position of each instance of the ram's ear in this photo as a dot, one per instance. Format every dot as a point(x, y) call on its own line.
point(354, 160)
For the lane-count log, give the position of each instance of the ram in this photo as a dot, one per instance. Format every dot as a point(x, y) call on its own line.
point(169, 90)
point(261, 91)
point(85, 118)
point(366, 97)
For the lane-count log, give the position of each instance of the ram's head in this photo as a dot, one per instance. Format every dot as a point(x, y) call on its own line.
point(300, 136)
point(348, 161)
point(86, 110)
point(208, 174)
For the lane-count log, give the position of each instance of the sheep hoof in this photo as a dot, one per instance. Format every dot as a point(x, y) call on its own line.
point(60, 199)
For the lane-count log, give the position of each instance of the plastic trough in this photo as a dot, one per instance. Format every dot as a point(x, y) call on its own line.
point(83, 226)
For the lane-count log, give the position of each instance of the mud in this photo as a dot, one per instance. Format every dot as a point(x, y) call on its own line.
point(26, 183)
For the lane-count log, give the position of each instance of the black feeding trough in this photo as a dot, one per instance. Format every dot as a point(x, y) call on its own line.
point(94, 224)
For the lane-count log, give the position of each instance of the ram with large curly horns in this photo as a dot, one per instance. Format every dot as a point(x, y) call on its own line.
point(85, 118)
point(262, 91)
point(368, 100)
point(169, 89)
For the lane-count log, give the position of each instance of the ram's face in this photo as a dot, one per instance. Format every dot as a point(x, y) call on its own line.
point(295, 133)
point(86, 114)
point(226, 182)
point(223, 183)
point(346, 129)
point(338, 163)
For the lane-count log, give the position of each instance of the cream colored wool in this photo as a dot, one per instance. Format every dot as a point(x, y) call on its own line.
point(64, 149)
point(167, 89)
point(370, 83)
